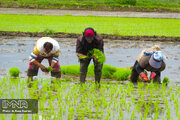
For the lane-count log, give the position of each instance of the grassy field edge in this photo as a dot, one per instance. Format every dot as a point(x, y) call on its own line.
point(137, 8)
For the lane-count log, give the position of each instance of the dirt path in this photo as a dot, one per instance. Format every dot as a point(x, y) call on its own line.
point(87, 12)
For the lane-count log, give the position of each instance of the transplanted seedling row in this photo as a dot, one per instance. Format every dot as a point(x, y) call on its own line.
point(65, 100)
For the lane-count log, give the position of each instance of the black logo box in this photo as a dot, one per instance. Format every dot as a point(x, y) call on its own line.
point(18, 106)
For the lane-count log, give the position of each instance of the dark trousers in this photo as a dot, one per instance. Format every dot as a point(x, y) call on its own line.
point(135, 75)
point(84, 63)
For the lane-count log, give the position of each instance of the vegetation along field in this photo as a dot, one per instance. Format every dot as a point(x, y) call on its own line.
point(133, 5)
point(76, 24)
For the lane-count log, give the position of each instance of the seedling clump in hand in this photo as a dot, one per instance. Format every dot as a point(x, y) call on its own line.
point(49, 69)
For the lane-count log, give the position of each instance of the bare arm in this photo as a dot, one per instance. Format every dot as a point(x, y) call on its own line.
point(43, 68)
point(53, 64)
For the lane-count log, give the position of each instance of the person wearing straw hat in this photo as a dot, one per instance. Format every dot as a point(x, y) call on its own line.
point(151, 60)
point(85, 43)
point(45, 48)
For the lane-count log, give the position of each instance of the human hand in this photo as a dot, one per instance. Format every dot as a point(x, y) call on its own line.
point(143, 75)
point(44, 69)
point(81, 56)
point(95, 57)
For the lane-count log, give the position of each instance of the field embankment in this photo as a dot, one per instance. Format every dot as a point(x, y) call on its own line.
point(110, 5)
point(105, 36)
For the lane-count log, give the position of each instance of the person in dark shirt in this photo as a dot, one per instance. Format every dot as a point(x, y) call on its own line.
point(152, 61)
point(85, 43)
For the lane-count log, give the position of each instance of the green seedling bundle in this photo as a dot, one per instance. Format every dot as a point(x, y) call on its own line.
point(97, 54)
point(49, 69)
point(82, 57)
point(108, 71)
point(14, 72)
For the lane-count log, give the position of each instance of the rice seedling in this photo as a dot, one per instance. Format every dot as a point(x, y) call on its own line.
point(122, 74)
point(70, 70)
point(82, 57)
point(49, 69)
point(107, 71)
point(48, 31)
point(110, 101)
point(97, 54)
point(166, 80)
point(14, 72)
point(69, 24)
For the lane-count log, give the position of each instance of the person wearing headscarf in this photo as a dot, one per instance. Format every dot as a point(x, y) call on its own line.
point(152, 60)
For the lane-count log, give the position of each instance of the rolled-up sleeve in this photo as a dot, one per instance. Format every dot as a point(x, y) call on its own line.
point(55, 59)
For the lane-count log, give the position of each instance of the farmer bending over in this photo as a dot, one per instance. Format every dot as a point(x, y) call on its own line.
point(46, 48)
point(85, 43)
point(150, 60)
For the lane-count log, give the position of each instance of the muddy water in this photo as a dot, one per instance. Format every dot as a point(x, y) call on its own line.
point(15, 51)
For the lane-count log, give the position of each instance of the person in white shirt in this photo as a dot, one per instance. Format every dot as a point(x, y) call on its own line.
point(45, 48)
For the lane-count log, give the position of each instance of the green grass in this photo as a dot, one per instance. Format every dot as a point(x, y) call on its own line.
point(95, 4)
point(77, 24)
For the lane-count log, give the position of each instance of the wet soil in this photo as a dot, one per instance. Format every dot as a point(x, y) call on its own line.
point(15, 51)
point(105, 36)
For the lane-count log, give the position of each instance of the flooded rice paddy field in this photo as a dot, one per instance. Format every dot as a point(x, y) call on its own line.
point(15, 51)
point(112, 101)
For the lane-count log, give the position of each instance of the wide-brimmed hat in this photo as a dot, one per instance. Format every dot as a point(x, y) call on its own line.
point(156, 59)
point(89, 34)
